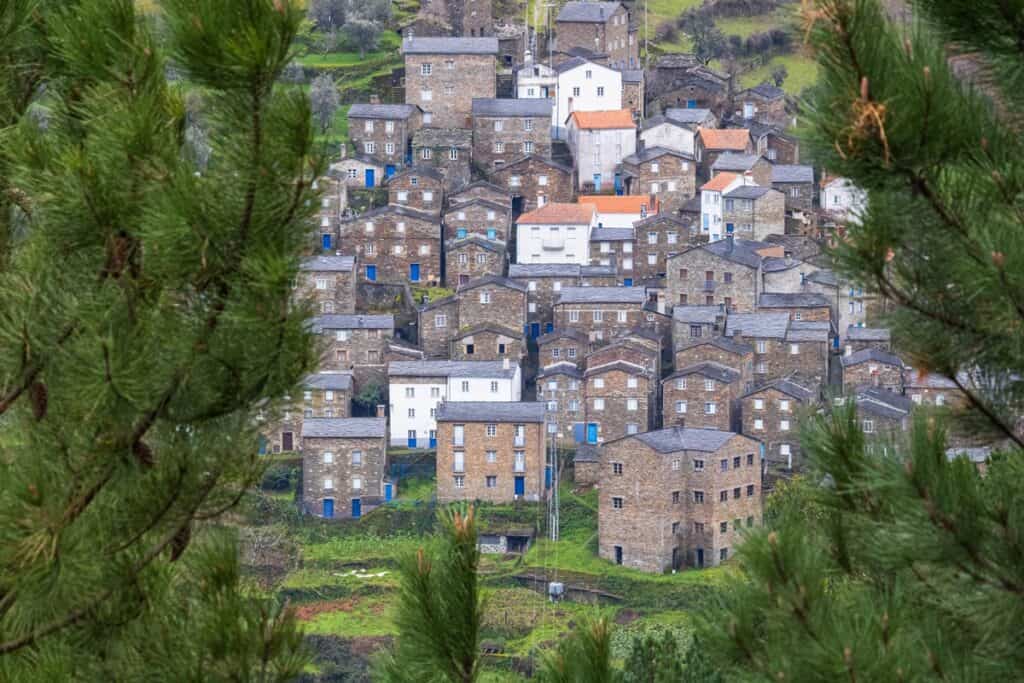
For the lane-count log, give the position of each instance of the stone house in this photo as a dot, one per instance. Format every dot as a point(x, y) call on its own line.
point(481, 189)
point(354, 343)
point(620, 399)
point(783, 349)
point(555, 233)
point(534, 181)
point(753, 212)
point(584, 85)
point(534, 79)
point(599, 26)
point(629, 348)
point(662, 132)
point(937, 391)
point(507, 129)
point(605, 313)
point(477, 216)
point(808, 307)
point(797, 183)
point(327, 394)
point(448, 150)
point(599, 141)
point(443, 75)
point(586, 464)
point(677, 497)
point(490, 300)
point(491, 451)
point(344, 461)
point(860, 338)
point(773, 143)
point(330, 282)
point(614, 247)
point(437, 321)
point(693, 322)
point(560, 389)
point(764, 103)
point(771, 414)
point(753, 165)
point(657, 238)
point(633, 95)
point(726, 272)
point(882, 413)
point(360, 172)
point(396, 245)
point(705, 395)
point(714, 142)
point(721, 350)
point(562, 346)
point(383, 132)
point(486, 341)
point(332, 197)
point(679, 81)
point(417, 187)
point(473, 257)
point(664, 173)
point(872, 368)
point(544, 283)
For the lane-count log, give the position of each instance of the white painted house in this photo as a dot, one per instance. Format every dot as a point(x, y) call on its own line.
point(621, 211)
point(711, 201)
point(842, 198)
point(536, 80)
point(584, 86)
point(661, 131)
point(599, 141)
point(556, 233)
point(417, 388)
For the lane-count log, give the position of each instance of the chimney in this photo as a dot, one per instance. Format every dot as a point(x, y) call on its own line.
point(506, 364)
point(380, 410)
point(640, 145)
point(344, 150)
point(737, 336)
point(375, 99)
point(527, 58)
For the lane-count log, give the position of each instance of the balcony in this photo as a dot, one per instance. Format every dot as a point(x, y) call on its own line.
point(709, 285)
point(552, 243)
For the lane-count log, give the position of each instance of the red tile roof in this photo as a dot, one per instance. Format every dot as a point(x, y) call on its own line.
point(720, 182)
point(725, 138)
point(559, 214)
point(621, 204)
point(593, 120)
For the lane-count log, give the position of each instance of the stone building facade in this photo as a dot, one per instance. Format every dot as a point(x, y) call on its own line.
point(771, 414)
point(417, 187)
point(703, 396)
point(327, 394)
point(620, 400)
point(344, 462)
point(356, 344)
point(437, 322)
point(872, 368)
point(720, 350)
point(657, 238)
point(602, 27)
point(443, 75)
point(691, 323)
point(860, 338)
point(481, 189)
point(560, 389)
point(395, 245)
point(490, 451)
point(383, 132)
point(753, 212)
point(808, 307)
point(677, 497)
point(329, 282)
point(448, 150)
point(634, 95)
point(477, 216)
point(544, 283)
point(723, 272)
point(604, 313)
point(490, 300)
point(534, 181)
point(669, 175)
point(783, 349)
point(471, 258)
point(797, 183)
point(505, 130)
point(562, 346)
point(487, 341)
point(614, 247)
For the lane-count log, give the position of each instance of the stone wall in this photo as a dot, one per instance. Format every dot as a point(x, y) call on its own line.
point(467, 260)
point(674, 181)
point(767, 417)
point(731, 284)
point(477, 468)
point(453, 81)
point(395, 242)
point(342, 472)
point(519, 136)
point(690, 391)
point(534, 178)
point(624, 407)
point(436, 325)
point(338, 294)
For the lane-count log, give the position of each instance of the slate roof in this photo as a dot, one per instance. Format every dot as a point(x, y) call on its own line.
point(769, 92)
point(731, 161)
point(709, 369)
point(624, 366)
point(632, 75)
point(875, 355)
point(587, 452)
point(597, 270)
point(758, 325)
point(785, 386)
point(395, 208)
point(487, 327)
point(427, 171)
point(529, 270)
point(456, 204)
point(602, 295)
point(439, 303)
point(808, 331)
point(497, 246)
point(490, 411)
point(493, 280)
point(675, 439)
point(451, 368)
point(660, 218)
point(450, 46)
point(654, 121)
point(335, 264)
point(748, 192)
point(335, 381)
point(560, 368)
point(536, 106)
point(442, 137)
point(705, 315)
point(563, 333)
point(353, 322)
point(792, 173)
point(611, 234)
point(547, 162)
point(587, 11)
point(854, 333)
point(381, 111)
point(723, 343)
point(743, 252)
point(824, 277)
point(792, 300)
point(684, 115)
point(572, 63)
point(651, 153)
point(344, 427)
point(883, 403)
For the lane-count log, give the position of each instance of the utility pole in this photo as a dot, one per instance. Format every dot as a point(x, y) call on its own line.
point(647, 38)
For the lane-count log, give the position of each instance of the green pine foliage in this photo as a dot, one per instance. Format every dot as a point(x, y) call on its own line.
point(145, 315)
point(653, 660)
point(584, 656)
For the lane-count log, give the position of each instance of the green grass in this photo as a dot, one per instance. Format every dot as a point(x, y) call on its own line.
point(360, 617)
point(416, 489)
point(745, 26)
point(368, 549)
point(434, 293)
point(803, 72)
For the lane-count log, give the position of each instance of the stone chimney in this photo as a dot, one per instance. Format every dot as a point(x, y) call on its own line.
point(375, 99)
point(506, 364)
point(380, 410)
point(737, 336)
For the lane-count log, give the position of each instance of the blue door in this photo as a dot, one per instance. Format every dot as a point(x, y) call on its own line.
point(592, 432)
point(369, 178)
point(433, 438)
point(388, 491)
point(729, 228)
point(460, 234)
point(414, 272)
point(618, 184)
point(325, 240)
point(577, 432)
point(549, 327)
point(597, 182)
point(691, 104)
point(520, 486)
point(547, 477)
point(371, 273)
point(534, 330)
point(492, 234)
point(411, 441)
point(357, 508)
point(328, 509)
point(389, 170)
point(627, 282)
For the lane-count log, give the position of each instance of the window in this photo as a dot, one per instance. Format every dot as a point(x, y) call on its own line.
point(681, 383)
point(531, 307)
point(412, 412)
point(357, 483)
point(759, 425)
point(698, 465)
point(492, 429)
point(698, 527)
point(514, 181)
point(631, 382)
point(453, 154)
point(328, 396)
point(400, 226)
point(465, 387)
point(499, 147)
point(724, 527)
point(761, 368)
point(709, 385)
point(441, 320)
point(598, 316)
point(402, 196)
point(617, 503)
point(598, 404)
point(435, 392)
point(499, 125)
point(675, 497)
point(784, 406)
point(460, 481)
point(494, 387)
point(588, 74)
point(723, 554)
point(575, 92)
point(389, 127)
point(680, 407)
point(676, 464)
point(750, 490)
point(762, 346)
point(574, 316)
point(794, 349)
point(600, 91)
point(622, 316)
point(527, 124)
point(370, 147)
point(710, 408)
point(940, 399)
point(571, 352)
point(574, 406)
point(631, 404)
point(652, 259)
point(353, 173)
point(784, 425)
point(426, 69)
point(328, 483)
point(868, 426)
point(724, 464)
point(542, 180)
point(426, 96)
point(552, 406)
point(736, 492)
point(449, 64)
point(410, 392)
point(341, 335)
point(491, 482)
point(599, 383)
point(698, 496)
point(528, 147)
point(328, 457)
point(617, 468)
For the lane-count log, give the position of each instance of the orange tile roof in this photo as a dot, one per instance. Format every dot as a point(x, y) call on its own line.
point(592, 120)
point(725, 138)
point(720, 182)
point(559, 214)
point(606, 203)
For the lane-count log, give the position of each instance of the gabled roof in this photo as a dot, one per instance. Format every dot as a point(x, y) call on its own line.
point(709, 369)
point(456, 204)
point(705, 315)
point(587, 12)
point(604, 120)
point(612, 235)
point(465, 189)
point(676, 439)
point(562, 333)
point(854, 333)
point(632, 75)
point(556, 213)
point(496, 246)
point(562, 367)
point(427, 171)
point(344, 427)
point(651, 153)
point(660, 218)
point(722, 343)
point(786, 387)
point(449, 46)
point(871, 355)
point(758, 325)
point(768, 92)
point(735, 139)
point(381, 111)
point(394, 208)
point(687, 116)
point(490, 411)
point(451, 300)
point(587, 452)
point(535, 157)
point(527, 106)
point(742, 252)
point(792, 300)
point(528, 270)
point(597, 270)
point(336, 264)
point(621, 365)
point(602, 295)
point(809, 331)
point(882, 403)
point(493, 280)
point(748, 192)
point(734, 161)
point(655, 121)
point(334, 381)
point(487, 327)
point(452, 368)
point(352, 322)
point(792, 173)
point(605, 203)
point(720, 182)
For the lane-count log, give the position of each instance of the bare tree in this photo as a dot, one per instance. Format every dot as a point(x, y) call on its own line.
point(324, 99)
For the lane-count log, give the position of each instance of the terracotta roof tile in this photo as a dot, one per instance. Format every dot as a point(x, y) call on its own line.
point(560, 214)
point(720, 182)
point(621, 204)
point(591, 120)
point(720, 138)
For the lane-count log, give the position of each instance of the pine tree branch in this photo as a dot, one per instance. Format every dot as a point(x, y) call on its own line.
point(32, 372)
point(988, 412)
